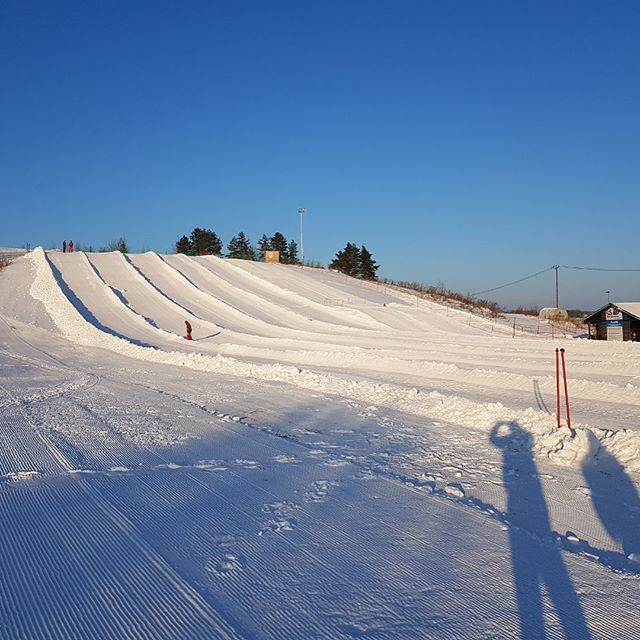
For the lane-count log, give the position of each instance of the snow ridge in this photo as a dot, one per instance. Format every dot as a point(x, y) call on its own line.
point(561, 446)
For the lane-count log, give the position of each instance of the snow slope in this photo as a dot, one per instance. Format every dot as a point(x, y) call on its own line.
point(328, 459)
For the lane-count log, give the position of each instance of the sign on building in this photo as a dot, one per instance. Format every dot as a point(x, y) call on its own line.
point(614, 324)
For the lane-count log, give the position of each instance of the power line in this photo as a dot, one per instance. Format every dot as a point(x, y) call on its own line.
point(502, 286)
point(564, 266)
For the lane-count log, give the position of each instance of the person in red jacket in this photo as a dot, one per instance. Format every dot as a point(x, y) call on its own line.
point(70, 246)
point(188, 328)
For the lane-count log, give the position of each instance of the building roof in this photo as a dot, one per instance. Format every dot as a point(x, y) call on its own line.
point(630, 308)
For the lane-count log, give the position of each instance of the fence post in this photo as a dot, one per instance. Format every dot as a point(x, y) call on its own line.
point(558, 407)
point(514, 328)
point(566, 393)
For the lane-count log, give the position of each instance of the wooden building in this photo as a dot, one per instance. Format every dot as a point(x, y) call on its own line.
point(615, 321)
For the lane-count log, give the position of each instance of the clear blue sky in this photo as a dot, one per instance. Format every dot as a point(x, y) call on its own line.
point(467, 142)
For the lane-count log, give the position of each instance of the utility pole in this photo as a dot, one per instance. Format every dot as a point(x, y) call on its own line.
point(301, 211)
point(556, 267)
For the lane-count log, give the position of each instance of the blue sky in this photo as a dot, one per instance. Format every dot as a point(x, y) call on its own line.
point(468, 143)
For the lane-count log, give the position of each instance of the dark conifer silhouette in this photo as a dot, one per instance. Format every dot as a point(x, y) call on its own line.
point(279, 243)
point(240, 247)
point(205, 242)
point(347, 260)
point(184, 246)
point(368, 265)
point(264, 244)
point(292, 252)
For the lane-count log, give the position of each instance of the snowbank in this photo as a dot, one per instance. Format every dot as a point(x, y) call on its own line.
point(560, 446)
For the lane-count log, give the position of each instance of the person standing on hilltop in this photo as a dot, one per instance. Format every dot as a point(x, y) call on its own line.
point(188, 329)
point(70, 246)
point(64, 246)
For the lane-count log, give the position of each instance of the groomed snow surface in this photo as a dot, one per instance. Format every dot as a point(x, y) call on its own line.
point(327, 458)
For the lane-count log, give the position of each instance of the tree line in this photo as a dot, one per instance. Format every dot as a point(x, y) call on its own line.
point(205, 242)
point(353, 261)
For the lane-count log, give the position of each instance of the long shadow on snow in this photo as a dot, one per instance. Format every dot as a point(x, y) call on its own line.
point(616, 501)
point(534, 565)
point(86, 314)
point(230, 517)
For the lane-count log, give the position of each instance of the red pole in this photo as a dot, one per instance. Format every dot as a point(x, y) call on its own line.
point(558, 407)
point(566, 393)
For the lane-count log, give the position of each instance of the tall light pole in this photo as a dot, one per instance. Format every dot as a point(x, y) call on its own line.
point(608, 296)
point(556, 267)
point(301, 211)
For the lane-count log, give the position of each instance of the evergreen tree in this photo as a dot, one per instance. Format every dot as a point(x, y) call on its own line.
point(122, 246)
point(240, 247)
point(205, 242)
point(368, 265)
point(347, 261)
point(292, 252)
point(279, 243)
point(184, 246)
point(264, 244)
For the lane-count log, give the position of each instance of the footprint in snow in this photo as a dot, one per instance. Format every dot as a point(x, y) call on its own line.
point(319, 490)
point(19, 476)
point(280, 508)
point(284, 459)
point(279, 525)
point(336, 463)
point(229, 563)
point(211, 465)
point(454, 489)
point(247, 464)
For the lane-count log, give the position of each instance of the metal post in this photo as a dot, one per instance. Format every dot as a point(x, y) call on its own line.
point(301, 211)
point(558, 407)
point(566, 393)
point(556, 267)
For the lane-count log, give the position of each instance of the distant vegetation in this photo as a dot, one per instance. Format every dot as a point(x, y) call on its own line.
point(525, 311)
point(355, 262)
point(440, 293)
point(113, 245)
point(205, 242)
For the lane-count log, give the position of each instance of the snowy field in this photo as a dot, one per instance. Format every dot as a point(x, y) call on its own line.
point(326, 459)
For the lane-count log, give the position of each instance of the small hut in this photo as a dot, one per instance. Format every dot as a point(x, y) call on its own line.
point(615, 321)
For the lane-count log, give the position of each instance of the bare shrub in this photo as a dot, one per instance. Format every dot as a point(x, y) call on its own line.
point(440, 293)
point(525, 311)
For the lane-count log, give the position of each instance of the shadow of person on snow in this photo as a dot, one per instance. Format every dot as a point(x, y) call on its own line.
point(211, 335)
point(537, 562)
point(616, 501)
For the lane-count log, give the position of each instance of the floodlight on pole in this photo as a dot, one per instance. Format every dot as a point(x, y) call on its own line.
point(301, 211)
point(608, 296)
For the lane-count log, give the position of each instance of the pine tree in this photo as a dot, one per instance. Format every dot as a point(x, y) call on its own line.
point(264, 244)
point(347, 261)
point(368, 265)
point(205, 242)
point(292, 253)
point(184, 246)
point(279, 243)
point(122, 246)
point(240, 247)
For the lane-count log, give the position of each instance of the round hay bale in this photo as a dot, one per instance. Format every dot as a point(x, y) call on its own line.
point(554, 314)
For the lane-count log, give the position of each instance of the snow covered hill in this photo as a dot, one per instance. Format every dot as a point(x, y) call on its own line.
point(328, 458)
